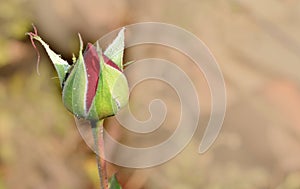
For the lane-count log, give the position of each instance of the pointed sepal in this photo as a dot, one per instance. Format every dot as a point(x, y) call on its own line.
point(112, 91)
point(115, 50)
point(61, 66)
point(75, 87)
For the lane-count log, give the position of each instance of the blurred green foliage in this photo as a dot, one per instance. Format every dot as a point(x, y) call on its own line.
point(14, 23)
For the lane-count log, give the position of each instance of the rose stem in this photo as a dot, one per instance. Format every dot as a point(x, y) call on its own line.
point(97, 128)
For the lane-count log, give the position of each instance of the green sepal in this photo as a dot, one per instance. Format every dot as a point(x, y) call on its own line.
point(75, 87)
point(115, 50)
point(112, 92)
point(61, 66)
point(113, 183)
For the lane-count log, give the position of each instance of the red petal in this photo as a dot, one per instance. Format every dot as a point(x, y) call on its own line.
point(92, 64)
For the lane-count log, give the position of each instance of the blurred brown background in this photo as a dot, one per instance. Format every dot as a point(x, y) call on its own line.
point(256, 43)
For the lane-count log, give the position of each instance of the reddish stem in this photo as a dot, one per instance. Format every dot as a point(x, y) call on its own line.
point(97, 127)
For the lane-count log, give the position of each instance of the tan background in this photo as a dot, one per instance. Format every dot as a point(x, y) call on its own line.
point(256, 43)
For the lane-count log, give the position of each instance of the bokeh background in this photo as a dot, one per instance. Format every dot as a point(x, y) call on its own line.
point(256, 43)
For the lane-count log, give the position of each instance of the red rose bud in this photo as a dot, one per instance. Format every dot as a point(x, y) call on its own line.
point(95, 86)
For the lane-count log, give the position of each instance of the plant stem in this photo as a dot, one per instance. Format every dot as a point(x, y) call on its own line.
point(97, 128)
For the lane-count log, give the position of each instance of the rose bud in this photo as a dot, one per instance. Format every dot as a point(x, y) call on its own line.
point(94, 87)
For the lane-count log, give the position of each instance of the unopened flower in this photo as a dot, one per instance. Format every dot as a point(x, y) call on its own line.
point(94, 87)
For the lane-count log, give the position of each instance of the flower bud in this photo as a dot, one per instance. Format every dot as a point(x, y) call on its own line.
point(94, 87)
